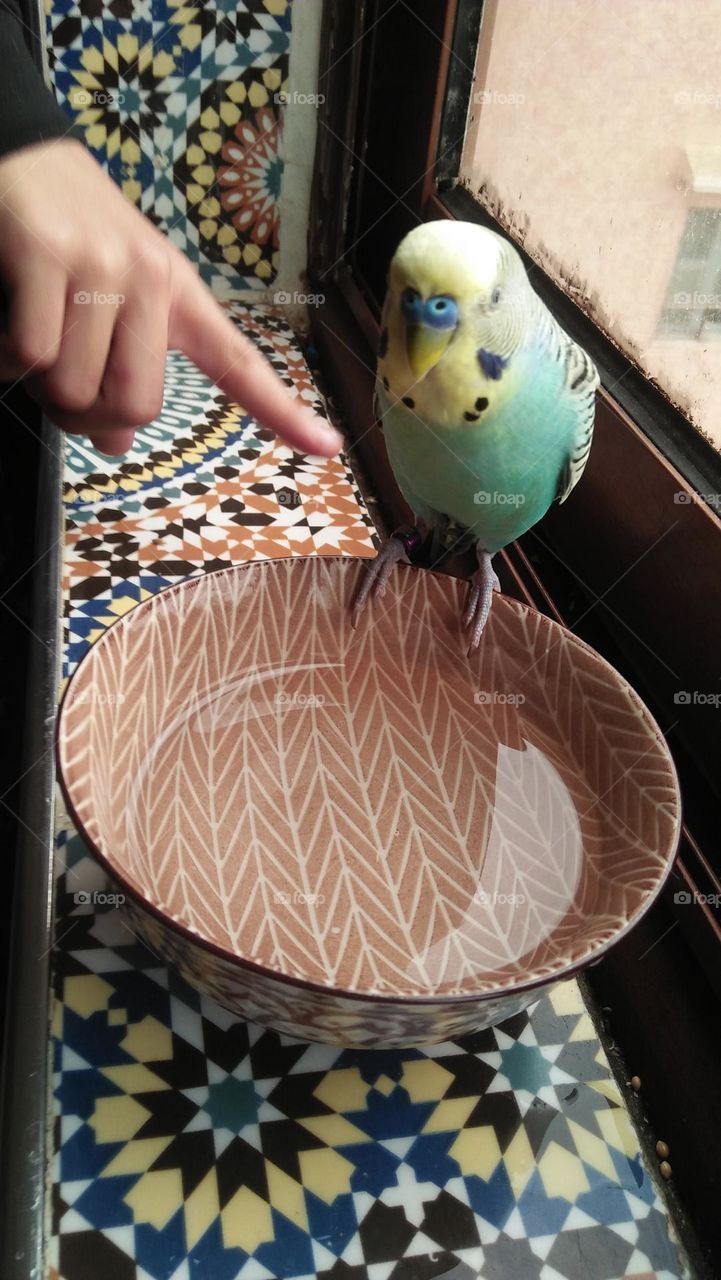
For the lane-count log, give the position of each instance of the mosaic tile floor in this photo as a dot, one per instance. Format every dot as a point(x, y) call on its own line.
point(191, 1146)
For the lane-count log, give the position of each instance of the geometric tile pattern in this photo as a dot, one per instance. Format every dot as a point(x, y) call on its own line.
point(204, 487)
point(180, 103)
point(190, 1145)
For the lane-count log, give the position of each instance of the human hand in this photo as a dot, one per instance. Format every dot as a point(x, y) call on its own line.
point(99, 295)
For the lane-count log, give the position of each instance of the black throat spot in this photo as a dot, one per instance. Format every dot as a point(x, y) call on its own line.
point(473, 415)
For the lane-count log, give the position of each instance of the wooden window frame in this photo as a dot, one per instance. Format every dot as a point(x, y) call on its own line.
point(636, 579)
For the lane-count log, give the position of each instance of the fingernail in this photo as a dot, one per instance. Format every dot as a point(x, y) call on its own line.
point(317, 420)
point(114, 444)
point(322, 424)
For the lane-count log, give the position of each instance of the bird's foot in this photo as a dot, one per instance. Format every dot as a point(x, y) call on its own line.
point(397, 548)
point(478, 605)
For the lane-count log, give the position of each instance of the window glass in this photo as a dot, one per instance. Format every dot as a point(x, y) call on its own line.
point(594, 135)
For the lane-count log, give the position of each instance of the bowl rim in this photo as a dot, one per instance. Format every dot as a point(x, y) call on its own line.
point(388, 998)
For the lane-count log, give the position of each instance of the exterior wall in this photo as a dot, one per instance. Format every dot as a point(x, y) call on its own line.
point(579, 140)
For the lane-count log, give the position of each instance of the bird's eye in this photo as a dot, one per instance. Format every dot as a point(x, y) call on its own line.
point(496, 297)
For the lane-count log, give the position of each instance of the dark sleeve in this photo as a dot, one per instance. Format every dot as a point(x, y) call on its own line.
point(29, 111)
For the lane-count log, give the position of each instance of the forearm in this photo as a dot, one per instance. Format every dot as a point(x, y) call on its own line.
point(29, 112)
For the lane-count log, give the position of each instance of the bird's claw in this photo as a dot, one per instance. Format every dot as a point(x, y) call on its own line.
point(478, 605)
point(393, 551)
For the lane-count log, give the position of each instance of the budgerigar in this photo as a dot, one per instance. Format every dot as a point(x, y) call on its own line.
point(487, 404)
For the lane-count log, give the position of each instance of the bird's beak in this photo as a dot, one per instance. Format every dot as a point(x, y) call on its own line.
point(425, 346)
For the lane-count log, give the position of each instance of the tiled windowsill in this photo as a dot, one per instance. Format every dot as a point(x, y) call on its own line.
point(189, 1145)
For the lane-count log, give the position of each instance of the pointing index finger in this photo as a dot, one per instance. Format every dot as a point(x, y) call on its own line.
point(209, 338)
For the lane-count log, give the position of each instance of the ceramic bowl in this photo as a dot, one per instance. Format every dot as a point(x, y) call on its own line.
point(364, 837)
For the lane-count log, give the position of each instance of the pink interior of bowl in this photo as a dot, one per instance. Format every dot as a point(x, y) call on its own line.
point(371, 810)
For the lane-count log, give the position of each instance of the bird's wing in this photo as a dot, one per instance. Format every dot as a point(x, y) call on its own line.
point(580, 380)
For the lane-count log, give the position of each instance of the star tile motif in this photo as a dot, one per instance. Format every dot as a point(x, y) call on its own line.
point(182, 104)
point(190, 1144)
